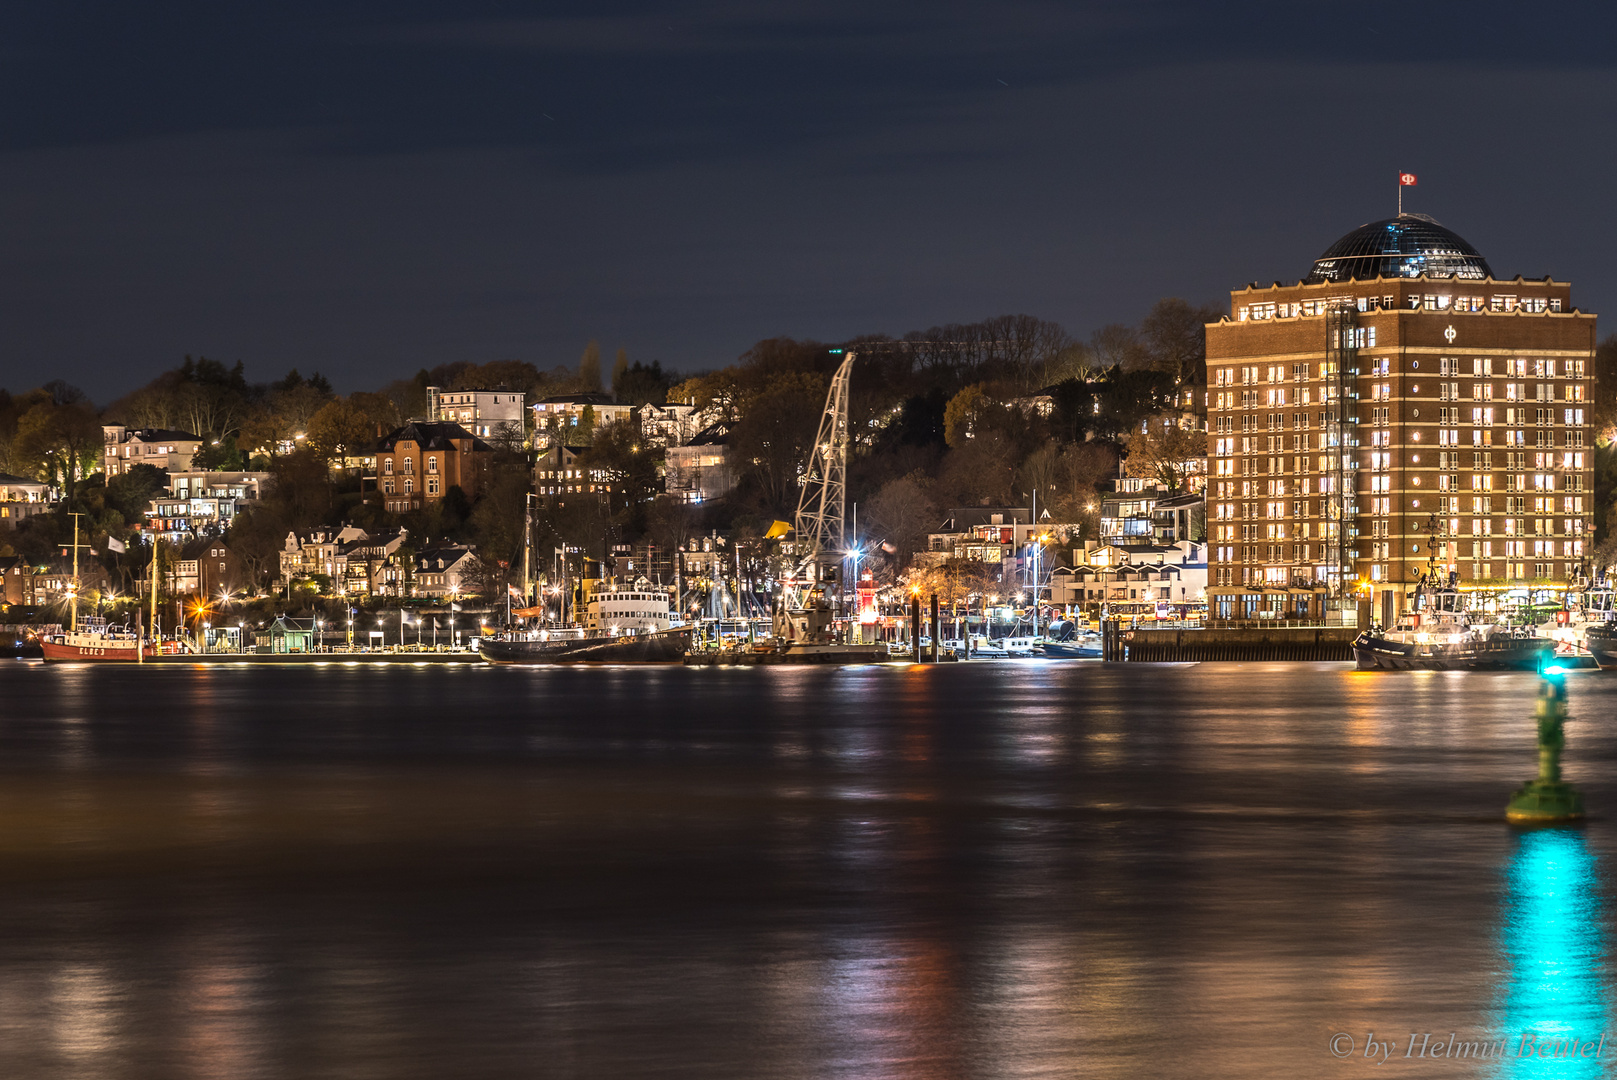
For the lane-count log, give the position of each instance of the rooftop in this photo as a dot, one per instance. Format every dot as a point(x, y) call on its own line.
point(431, 435)
point(1408, 245)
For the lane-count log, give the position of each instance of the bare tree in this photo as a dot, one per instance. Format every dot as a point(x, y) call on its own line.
point(1164, 451)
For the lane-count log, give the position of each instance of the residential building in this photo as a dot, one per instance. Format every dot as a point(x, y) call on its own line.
point(1399, 408)
point(979, 532)
point(558, 475)
point(557, 419)
point(22, 498)
point(487, 414)
point(701, 469)
point(419, 462)
point(441, 569)
point(126, 447)
point(16, 580)
point(321, 552)
point(668, 425)
point(374, 565)
point(1144, 512)
point(52, 582)
point(248, 486)
point(221, 574)
point(186, 577)
point(1141, 581)
point(202, 503)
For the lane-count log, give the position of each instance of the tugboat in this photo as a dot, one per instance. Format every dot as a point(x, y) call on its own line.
point(1601, 641)
point(1066, 642)
point(1436, 634)
point(1592, 610)
point(1600, 628)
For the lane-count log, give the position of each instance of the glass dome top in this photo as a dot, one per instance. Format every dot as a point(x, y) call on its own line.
point(1405, 246)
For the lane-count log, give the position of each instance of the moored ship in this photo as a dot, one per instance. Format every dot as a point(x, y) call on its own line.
point(1437, 634)
point(96, 641)
point(574, 647)
point(630, 625)
point(1569, 626)
point(1601, 641)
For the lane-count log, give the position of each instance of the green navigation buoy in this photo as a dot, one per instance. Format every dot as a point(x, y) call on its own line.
point(1547, 800)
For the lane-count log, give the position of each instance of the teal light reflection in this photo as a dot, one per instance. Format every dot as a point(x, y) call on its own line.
point(1556, 952)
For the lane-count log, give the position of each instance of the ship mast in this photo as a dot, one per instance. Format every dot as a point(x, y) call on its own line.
point(73, 592)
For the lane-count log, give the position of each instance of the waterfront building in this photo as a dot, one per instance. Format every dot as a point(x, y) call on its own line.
point(1397, 405)
point(125, 447)
point(982, 533)
point(16, 580)
point(488, 414)
point(374, 564)
point(419, 462)
point(285, 635)
point(1144, 512)
point(441, 569)
point(22, 498)
point(1134, 581)
point(52, 582)
point(221, 572)
point(312, 555)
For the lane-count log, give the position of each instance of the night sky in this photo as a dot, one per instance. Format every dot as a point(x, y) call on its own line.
point(367, 189)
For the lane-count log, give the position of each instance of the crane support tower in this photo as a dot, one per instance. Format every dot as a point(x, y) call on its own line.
point(822, 507)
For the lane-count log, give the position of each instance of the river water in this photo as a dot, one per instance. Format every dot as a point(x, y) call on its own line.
point(985, 870)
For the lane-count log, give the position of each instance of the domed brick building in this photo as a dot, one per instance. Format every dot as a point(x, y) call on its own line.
point(1398, 410)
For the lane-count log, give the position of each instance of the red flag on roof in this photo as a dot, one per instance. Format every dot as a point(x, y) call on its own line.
point(1406, 179)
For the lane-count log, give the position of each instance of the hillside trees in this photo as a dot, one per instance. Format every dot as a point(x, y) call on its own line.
point(60, 444)
point(344, 427)
point(201, 396)
point(589, 368)
point(1164, 451)
point(772, 441)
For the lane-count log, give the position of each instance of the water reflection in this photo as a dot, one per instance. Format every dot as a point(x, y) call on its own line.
point(757, 874)
point(1555, 1006)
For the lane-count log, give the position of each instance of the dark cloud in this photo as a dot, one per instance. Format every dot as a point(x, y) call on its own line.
point(364, 191)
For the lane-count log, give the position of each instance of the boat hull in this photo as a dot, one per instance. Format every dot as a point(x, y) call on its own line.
point(663, 647)
point(112, 653)
point(1066, 650)
point(1376, 653)
point(1602, 645)
point(797, 653)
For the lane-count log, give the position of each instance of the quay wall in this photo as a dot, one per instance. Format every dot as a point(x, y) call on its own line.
point(1256, 643)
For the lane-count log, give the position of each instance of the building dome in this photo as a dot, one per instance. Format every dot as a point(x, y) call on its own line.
point(1408, 245)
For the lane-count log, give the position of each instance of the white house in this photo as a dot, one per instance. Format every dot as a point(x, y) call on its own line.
point(127, 447)
point(484, 413)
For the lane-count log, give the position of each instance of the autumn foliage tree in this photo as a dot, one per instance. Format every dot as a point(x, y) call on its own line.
point(60, 443)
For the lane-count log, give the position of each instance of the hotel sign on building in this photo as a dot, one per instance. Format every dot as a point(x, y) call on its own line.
point(1400, 408)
